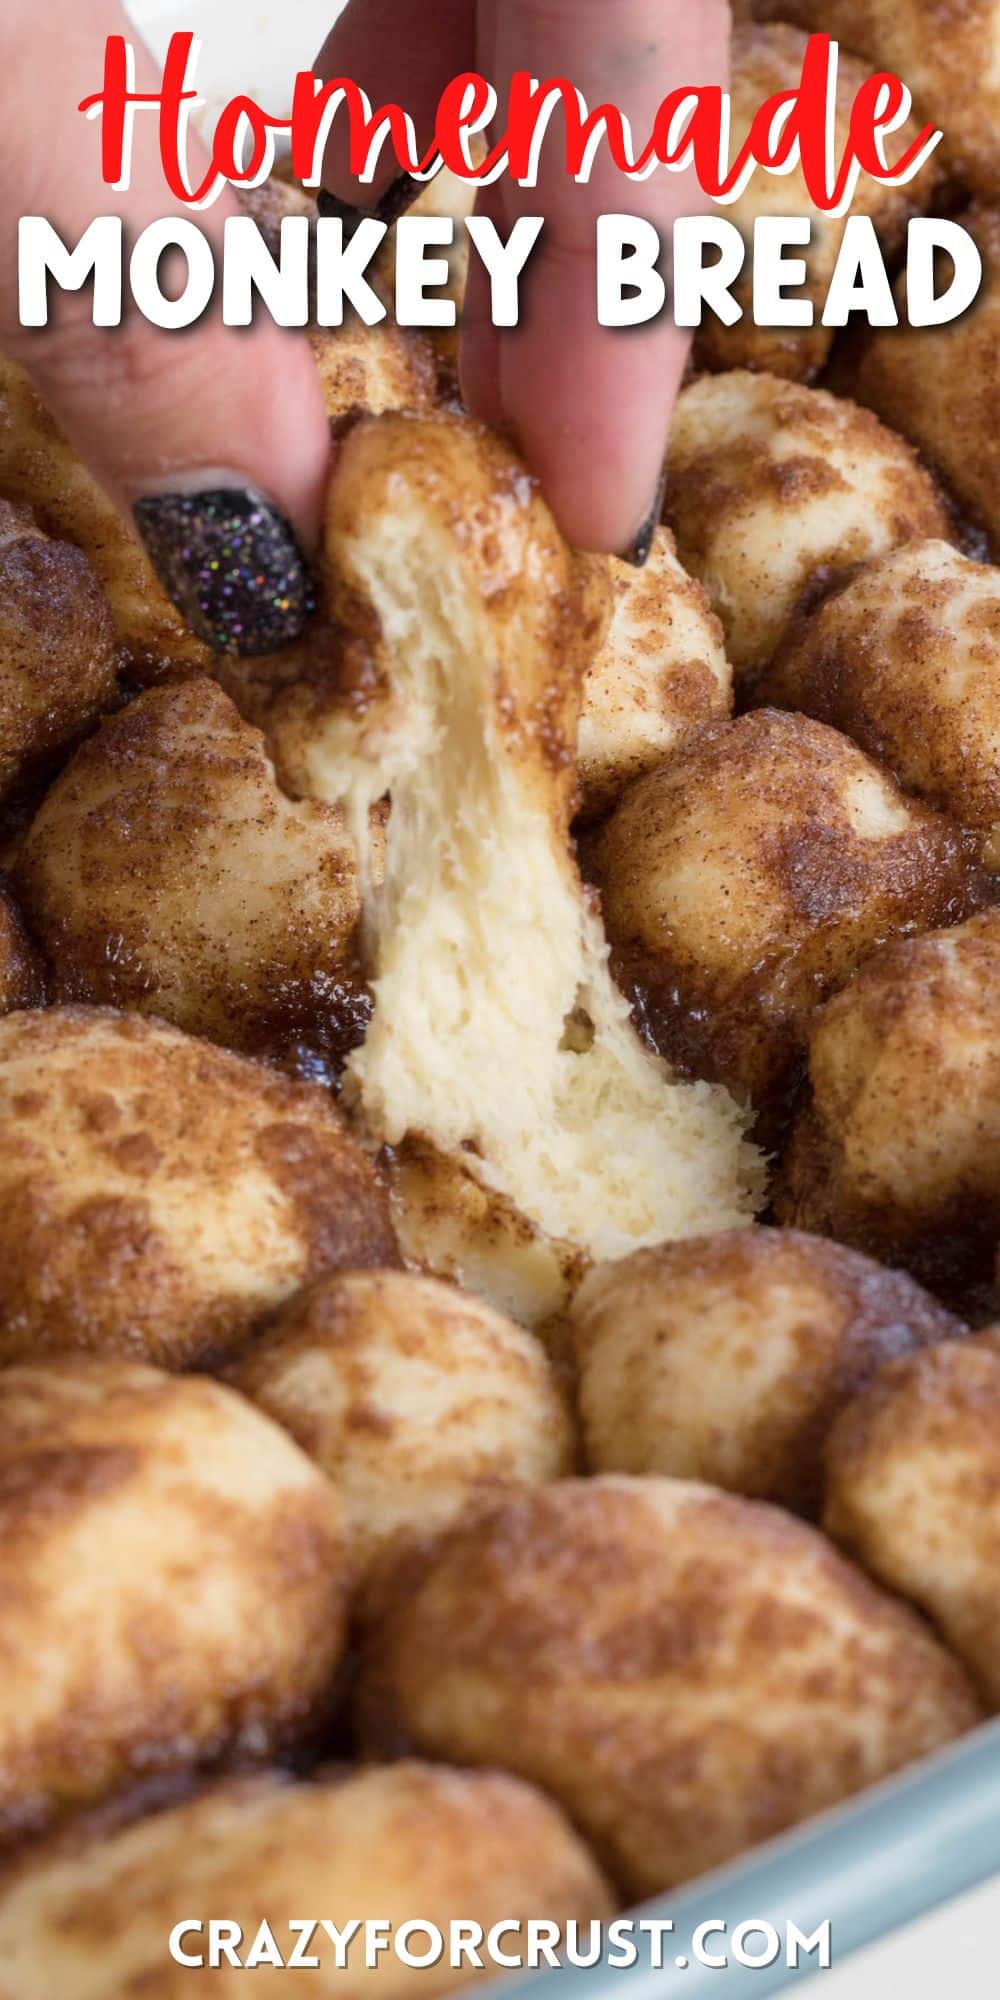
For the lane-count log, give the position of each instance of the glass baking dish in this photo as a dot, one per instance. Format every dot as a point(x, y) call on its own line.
point(910, 1844)
point(867, 1868)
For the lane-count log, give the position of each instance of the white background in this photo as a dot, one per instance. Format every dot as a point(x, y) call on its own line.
point(954, 1955)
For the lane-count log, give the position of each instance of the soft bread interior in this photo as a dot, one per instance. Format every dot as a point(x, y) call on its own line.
point(497, 1031)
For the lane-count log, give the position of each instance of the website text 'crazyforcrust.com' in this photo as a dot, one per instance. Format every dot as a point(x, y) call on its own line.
point(309, 1943)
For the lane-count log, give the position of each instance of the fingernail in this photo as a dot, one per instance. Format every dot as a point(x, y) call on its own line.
point(637, 552)
point(399, 195)
point(230, 562)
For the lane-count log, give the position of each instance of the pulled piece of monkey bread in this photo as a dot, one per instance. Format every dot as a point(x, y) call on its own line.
point(497, 1033)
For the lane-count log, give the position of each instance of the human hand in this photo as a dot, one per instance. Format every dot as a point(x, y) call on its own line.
point(218, 440)
point(589, 406)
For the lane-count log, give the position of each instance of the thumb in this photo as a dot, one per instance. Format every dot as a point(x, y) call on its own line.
point(216, 440)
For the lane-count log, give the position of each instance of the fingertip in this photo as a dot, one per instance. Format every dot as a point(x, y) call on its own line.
point(596, 433)
point(479, 355)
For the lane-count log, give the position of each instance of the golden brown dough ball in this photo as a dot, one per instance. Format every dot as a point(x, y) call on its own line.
point(748, 877)
point(913, 1490)
point(939, 386)
point(898, 1147)
point(90, 1912)
point(158, 1196)
point(685, 1672)
point(57, 658)
point(906, 660)
point(774, 490)
point(767, 60)
point(727, 1358)
point(945, 50)
point(22, 982)
point(413, 1396)
point(173, 1583)
point(166, 871)
point(374, 368)
point(658, 677)
point(39, 466)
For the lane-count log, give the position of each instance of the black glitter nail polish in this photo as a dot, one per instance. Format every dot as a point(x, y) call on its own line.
point(637, 552)
point(231, 564)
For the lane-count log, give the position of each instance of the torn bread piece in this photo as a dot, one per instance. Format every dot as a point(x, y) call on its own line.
point(498, 1034)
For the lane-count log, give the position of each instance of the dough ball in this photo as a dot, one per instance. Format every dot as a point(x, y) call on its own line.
point(748, 877)
point(659, 676)
point(775, 490)
point(685, 1672)
point(939, 385)
point(766, 61)
point(173, 1589)
point(945, 52)
point(57, 658)
point(159, 1196)
point(906, 660)
point(89, 1914)
point(411, 1395)
point(913, 1489)
point(374, 368)
point(39, 466)
point(540, 1082)
point(898, 1146)
point(22, 982)
point(167, 872)
point(726, 1358)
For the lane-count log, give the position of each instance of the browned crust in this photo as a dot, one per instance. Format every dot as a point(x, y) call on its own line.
point(146, 1116)
point(731, 998)
point(166, 873)
point(687, 1672)
point(57, 656)
point(838, 1317)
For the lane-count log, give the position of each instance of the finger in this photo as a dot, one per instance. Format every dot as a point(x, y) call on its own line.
point(479, 355)
point(399, 54)
point(590, 405)
point(218, 441)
